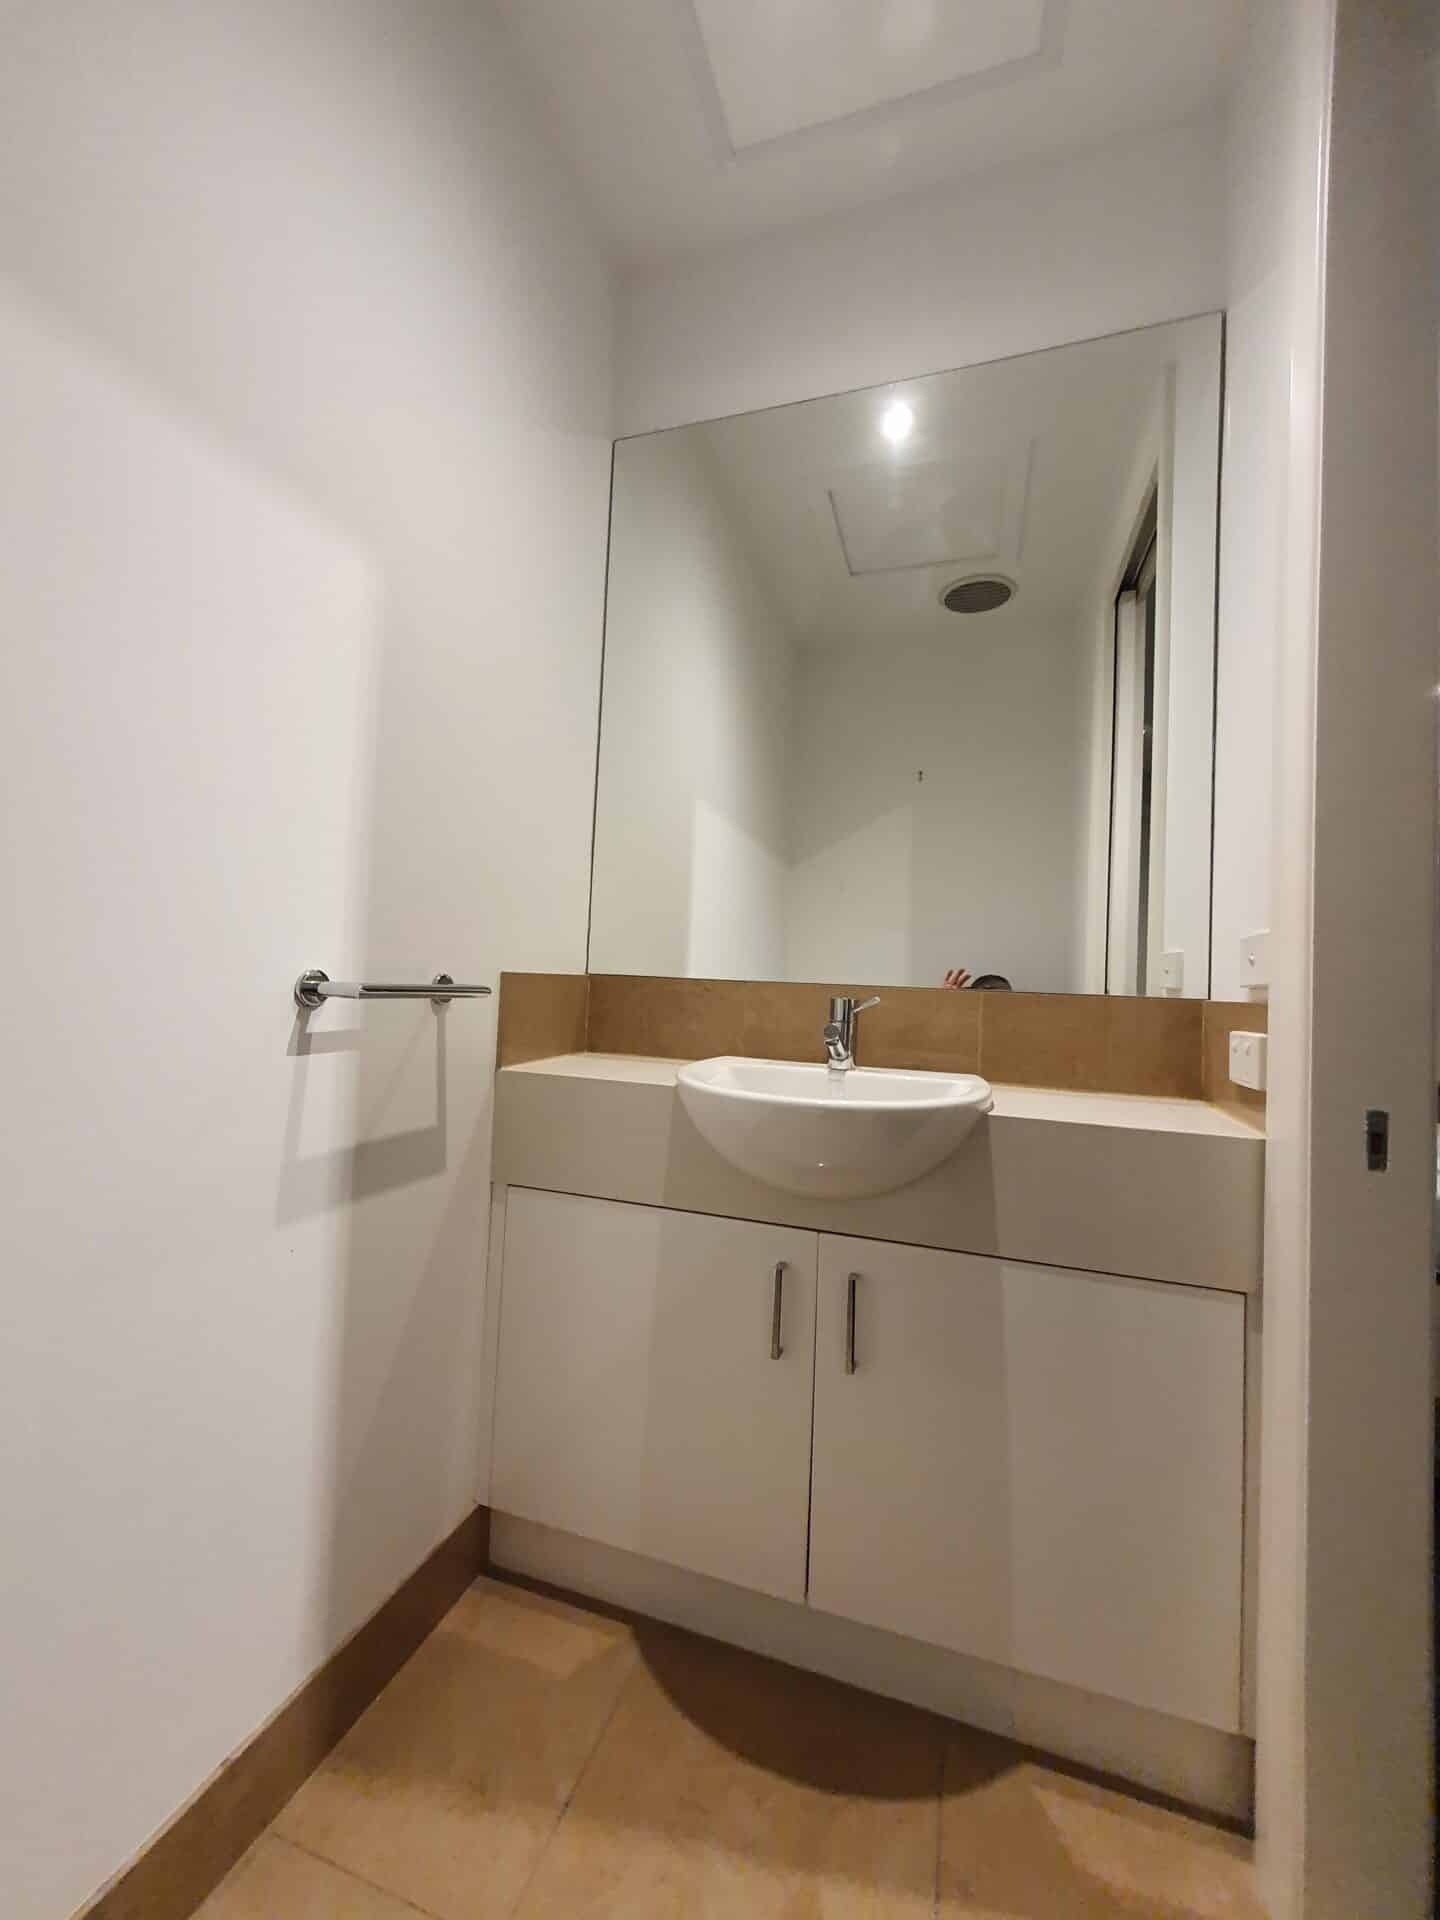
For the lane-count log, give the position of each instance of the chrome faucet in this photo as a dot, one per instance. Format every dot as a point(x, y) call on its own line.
point(838, 1033)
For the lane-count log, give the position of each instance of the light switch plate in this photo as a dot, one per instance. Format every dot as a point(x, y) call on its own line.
point(1173, 964)
point(1255, 958)
point(1247, 1060)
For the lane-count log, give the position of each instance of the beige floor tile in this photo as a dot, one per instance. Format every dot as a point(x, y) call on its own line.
point(729, 1788)
point(1019, 1842)
point(276, 1881)
point(447, 1789)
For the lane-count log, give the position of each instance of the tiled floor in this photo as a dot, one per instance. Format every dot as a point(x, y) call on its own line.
point(540, 1761)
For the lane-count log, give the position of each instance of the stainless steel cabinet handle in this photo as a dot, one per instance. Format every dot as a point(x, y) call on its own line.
point(775, 1310)
point(850, 1323)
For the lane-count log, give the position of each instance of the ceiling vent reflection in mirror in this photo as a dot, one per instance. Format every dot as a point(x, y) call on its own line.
point(977, 593)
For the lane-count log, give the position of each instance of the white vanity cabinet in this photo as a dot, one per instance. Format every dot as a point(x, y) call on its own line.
point(1034, 1466)
point(1038, 1467)
point(640, 1397)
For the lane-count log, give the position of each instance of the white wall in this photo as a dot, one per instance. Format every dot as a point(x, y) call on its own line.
point(898, 878)
point(1009, 261)
point(1252, 500)
point(690, 838)
point(304, 387)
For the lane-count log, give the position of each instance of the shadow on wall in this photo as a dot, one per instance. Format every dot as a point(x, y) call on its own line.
point(314, 1183)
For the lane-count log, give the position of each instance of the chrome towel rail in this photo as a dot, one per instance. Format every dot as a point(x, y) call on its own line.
point(315, 987)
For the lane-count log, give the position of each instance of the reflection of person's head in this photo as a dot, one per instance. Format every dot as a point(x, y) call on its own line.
point(992, 983)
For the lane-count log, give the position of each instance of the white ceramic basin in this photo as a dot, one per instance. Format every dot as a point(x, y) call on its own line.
point(805, 1129)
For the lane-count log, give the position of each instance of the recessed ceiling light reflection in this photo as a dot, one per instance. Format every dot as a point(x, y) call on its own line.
point(896, 421)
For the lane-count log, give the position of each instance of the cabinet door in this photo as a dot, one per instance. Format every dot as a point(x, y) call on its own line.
point(639, 1400)
point(1038, 1467)
point(910, 1502)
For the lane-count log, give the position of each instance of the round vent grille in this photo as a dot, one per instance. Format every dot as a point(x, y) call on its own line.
point(978, 593)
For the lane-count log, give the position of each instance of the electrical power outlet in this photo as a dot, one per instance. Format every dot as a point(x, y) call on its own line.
point(1247, 1060)
point(1255, 959)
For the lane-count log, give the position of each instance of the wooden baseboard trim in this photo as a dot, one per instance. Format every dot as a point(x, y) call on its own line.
point(191, 1856)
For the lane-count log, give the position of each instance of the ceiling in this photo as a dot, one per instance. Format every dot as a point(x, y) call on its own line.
point(693, 122)
point(1019, 467)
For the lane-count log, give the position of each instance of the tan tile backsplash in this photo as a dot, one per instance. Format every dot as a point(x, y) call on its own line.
point(673, 1019)
point(777, 1020)
point(1175, 1048)
point(1153, 1046)
point(541, 1014)
point(1039, 1040)
point(919, 1027)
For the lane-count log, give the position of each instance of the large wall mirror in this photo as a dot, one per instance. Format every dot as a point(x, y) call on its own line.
point(917, 683)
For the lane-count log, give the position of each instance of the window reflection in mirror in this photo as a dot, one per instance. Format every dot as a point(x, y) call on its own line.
point(916, 684)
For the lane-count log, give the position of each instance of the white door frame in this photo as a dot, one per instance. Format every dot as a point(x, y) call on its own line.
point(1122, 940)
point(1344, 1704)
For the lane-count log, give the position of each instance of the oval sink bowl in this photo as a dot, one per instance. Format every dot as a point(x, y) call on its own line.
point(805, 1129)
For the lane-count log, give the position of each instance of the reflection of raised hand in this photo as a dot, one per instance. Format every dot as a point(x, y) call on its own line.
point(957, 977)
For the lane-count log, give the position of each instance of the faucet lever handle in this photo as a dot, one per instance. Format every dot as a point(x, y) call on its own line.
point(844, 1008)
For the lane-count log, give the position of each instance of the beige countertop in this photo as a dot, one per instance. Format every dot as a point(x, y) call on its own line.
point(1143, 1112)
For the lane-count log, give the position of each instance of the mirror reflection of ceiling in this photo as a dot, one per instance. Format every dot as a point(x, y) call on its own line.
point(1012, 468)
point(697, 121)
